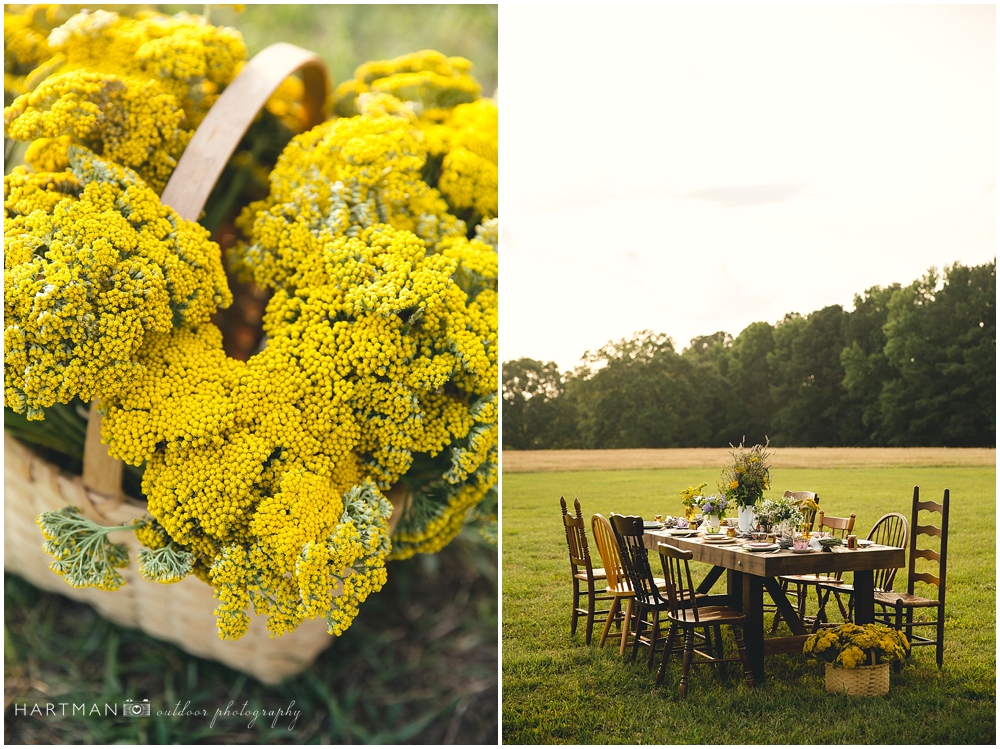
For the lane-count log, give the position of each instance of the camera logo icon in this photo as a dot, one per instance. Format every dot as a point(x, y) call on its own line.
point(134, 709)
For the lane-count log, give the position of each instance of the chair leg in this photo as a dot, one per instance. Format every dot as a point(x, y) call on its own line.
point(612, 616)
point(652, 638)
point(667, 648)
point(640, 621)
point(688, 655)
point(939, 646)
point(591, 606)
point(576, 606)
point(718, 650)
point(626, 626)
point(843, 611)
point(742, 648)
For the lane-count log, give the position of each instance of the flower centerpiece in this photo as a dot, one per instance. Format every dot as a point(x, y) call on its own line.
point(781, 515)
point(690, 498)
point(857, 656)
point(745, 479)
point(714, 510)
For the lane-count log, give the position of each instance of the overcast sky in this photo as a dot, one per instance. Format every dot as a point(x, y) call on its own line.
point(689, 169)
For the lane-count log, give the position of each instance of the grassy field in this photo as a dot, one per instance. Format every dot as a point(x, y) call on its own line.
point(556, 689)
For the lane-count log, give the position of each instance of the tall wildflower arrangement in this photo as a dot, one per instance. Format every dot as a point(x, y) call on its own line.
point(745, 479)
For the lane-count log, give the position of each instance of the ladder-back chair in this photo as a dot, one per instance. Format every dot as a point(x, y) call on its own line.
point(893, 606)
point(582, 570)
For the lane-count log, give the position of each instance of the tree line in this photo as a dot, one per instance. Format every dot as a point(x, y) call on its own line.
point(908, 366)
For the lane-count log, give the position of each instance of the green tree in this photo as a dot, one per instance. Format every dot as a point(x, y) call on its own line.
point(808, 378)
point(749, 377)
point(536, 414)
point(941, 344)
point(866, 368)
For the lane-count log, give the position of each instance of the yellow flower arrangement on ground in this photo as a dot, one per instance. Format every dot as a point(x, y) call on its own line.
point(265, 478)
point(852, 645)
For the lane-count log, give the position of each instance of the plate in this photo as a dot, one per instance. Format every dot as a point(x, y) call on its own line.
point(865, 542)
point(651, 524)
point(723, 540)
point(681, 532)
point(761, 547)
point(806, 550)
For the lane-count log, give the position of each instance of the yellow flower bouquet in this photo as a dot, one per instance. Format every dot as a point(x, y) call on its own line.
point(376, 240)
point(853, 645)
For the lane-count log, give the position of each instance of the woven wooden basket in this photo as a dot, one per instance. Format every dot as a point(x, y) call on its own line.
point(861, 681)
point(180, 613)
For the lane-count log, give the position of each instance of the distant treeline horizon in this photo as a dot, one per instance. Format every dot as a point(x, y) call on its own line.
point(909, 366)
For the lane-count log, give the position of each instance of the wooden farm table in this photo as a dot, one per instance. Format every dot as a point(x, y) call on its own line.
point(748, 574)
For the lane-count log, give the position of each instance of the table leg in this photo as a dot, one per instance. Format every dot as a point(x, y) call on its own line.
point(864, 597)
point(713, 574)
point(746, 593)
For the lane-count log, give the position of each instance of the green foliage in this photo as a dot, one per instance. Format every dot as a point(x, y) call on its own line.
point(535, 412)
point(165, 565)
point(83, 554)
point(556, 689)
point(908, 366)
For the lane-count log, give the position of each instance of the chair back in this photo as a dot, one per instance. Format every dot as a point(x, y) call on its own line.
point(677, 575)
point(838, 527)
point(890, 530)
point(918, 530)
point(804, 500)
point(628, 533)
point(607, 547)
point(576, 539)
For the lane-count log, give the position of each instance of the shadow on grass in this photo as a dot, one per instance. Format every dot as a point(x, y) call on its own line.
point(418, 665)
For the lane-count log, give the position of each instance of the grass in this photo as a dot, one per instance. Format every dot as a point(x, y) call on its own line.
point(418, 665)
point(556, 689)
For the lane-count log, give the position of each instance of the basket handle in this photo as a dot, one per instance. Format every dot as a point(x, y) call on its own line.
point(198, 170)
point(220, 132)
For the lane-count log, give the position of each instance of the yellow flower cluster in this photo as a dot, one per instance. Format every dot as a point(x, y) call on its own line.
point(189, 58)
point(25, 46)
point(428, 78)
point(460, 130)
point(130, 121)
point(469, 172)
point(265, 477)
point(851, 645)
point(93, 264)
point(132, 89)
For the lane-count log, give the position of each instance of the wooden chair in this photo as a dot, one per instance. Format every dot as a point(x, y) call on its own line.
point(839, 528)
point(685, 614)
point(803, 500)
point(893, 605)
point(618, 583)
point(890, 530)
point(646, 600)
point(582, 570)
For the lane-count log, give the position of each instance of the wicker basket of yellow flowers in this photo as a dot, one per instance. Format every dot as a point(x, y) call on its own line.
point(365, 428)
